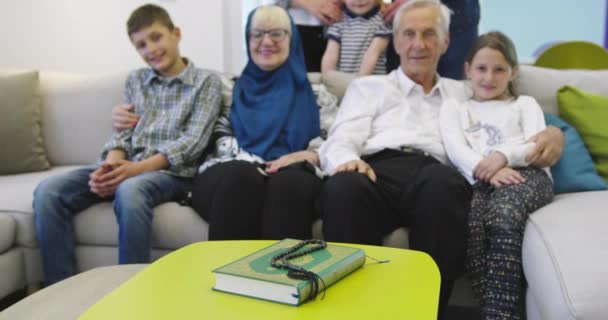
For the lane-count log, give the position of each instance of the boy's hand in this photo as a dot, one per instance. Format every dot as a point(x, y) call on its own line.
point(488, 167)
point(506, 175)
point(96, 182)
point(121, 170)
point(124, 117)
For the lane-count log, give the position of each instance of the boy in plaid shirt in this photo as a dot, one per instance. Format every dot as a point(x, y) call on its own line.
point(154, 162)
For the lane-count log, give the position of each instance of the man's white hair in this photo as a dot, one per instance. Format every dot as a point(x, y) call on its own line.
point(443, 21)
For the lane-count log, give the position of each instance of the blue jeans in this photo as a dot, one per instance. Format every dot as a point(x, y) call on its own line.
point(59, 198)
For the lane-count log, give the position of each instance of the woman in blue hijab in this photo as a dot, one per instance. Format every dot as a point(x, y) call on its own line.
point(260, 182)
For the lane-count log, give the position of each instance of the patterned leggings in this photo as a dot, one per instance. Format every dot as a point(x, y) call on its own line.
point(496, 227)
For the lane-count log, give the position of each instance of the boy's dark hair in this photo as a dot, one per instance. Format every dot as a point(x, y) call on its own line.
point(498, 41)
point(146, 16)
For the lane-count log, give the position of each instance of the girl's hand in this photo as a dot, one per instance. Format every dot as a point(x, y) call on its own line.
point(124, 117)
point(274, 165)
point(488, 167)
point(506, 175)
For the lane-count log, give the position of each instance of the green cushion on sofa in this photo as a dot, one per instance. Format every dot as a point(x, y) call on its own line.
point(588, 113)
point(20, 134)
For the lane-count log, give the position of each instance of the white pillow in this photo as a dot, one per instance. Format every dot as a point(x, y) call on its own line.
point(543, 83)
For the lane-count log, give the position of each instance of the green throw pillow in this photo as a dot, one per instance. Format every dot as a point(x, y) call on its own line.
point(588, 113)
point(20, 136)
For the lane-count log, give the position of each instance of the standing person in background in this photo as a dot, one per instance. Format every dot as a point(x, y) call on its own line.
point(486, 138)
point(463, 32)
point(357, 43)
point(311, 17)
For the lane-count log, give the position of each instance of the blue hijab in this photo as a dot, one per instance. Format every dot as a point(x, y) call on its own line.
point(275, 112)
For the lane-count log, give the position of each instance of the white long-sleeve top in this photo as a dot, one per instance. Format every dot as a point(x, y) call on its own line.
point(471, 130)
point(388, 111)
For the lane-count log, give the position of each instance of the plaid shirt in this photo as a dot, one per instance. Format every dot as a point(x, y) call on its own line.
point(176, 117)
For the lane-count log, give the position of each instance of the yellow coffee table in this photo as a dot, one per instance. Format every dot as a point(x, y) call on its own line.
point(178, 286)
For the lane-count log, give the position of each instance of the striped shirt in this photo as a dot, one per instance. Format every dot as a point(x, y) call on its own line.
point(355, 34)
point(176, 117)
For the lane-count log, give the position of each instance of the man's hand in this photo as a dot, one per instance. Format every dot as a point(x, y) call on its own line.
point(124, 117)
point(359, 166)
point(488, 167)
point(310, 156)
point(389, 11)
point(506, 175)
point(548, 149)
point(328, 11)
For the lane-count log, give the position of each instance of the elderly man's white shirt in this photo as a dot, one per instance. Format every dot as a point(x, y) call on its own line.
point(391, 111)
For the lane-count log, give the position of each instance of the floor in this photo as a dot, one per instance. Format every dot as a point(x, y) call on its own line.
point(462, 313)
point(12, 298)
point(453, 312)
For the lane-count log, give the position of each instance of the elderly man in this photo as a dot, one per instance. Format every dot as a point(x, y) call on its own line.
point(388, 161)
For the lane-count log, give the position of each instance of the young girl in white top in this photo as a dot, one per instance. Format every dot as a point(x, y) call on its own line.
point(486, 138)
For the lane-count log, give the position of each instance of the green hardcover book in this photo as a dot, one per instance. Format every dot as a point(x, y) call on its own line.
point(253, 276)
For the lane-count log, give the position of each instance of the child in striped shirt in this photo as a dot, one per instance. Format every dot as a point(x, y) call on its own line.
point(357, 44)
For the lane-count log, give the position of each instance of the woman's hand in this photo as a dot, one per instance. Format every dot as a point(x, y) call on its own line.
point(488, 167)
point(548, 148)
point(274, 165)
point(329, 12)
point(359, 166)
point(124, 117)
point(388, 11)
point(506, 175)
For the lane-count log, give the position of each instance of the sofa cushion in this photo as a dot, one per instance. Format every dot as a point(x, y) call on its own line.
point(588, 113)
point(173, 226)
point(16, 200)
point(12, 269)
point(565, 253)
point(337, 82)
point(77, 114)
point(543, 83)
point(574, 171)
point(20, 137)
point(7, 232)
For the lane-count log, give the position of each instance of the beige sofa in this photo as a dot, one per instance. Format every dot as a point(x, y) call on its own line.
point(565, 246)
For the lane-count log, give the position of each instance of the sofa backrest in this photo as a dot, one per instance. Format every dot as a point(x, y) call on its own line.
point(76, 108)
point(540, 83)
point(76, 118)
point(543, 83)
point(76, 113)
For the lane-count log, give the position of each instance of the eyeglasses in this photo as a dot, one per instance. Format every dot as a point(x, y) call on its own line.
point(276, 35)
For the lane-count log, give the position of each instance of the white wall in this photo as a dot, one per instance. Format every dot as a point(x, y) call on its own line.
point(89, 36)
point(534, 23)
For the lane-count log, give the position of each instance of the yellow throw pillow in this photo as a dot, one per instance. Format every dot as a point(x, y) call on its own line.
point(588, 113)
